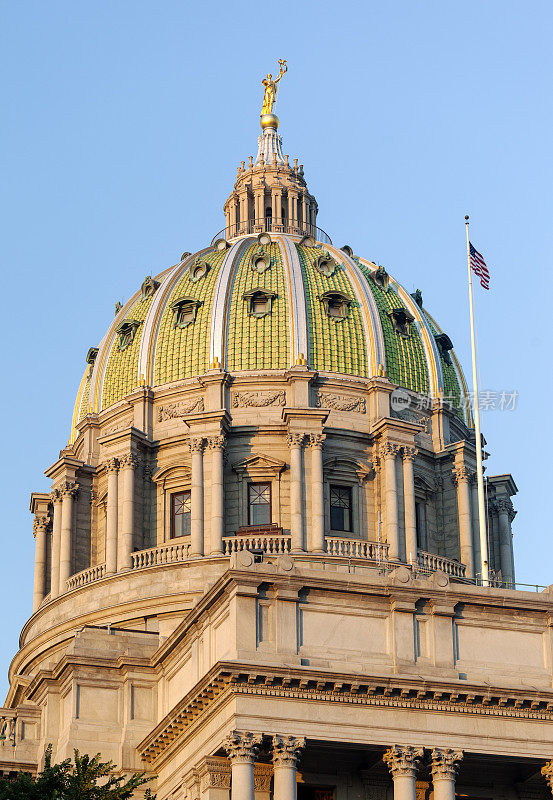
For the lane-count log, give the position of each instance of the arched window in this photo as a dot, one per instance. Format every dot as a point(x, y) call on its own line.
point(268, 218)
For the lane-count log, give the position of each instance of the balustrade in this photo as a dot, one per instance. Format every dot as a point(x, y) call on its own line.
point(86, 576)
point(163, 554)
point(265, 542)
point(356, 548)
point(432, 562)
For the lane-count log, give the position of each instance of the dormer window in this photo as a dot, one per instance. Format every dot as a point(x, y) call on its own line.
point(381, 278)
point(325, 264)
point(184, 311)
point(261, 260)
point(149, 287)
point(126, 332)
point(401, 321)
point(260, 302)
point(336, 305)
point(198, 270)
point(444, 346)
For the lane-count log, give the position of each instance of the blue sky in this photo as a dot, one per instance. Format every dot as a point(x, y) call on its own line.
point(123, 125)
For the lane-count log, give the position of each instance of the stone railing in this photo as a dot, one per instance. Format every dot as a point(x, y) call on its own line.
point(432, 563)
point(86, 576)
point(162, 554)
point(266, 542)
point(8, 727)
point(356, 548)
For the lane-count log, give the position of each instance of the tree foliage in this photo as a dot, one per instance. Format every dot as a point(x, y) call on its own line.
point(85, 779)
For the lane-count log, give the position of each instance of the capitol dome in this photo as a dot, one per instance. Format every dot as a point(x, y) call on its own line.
point(271, 292)
point(265, 524)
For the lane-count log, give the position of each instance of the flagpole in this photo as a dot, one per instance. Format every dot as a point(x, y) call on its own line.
point(479, 470)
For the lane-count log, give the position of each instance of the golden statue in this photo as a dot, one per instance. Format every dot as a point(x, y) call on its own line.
point(271, 88)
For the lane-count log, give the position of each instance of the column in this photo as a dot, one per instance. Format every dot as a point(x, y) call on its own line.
point(317, 538)
point(286, 751)
point(127, 466)
point(305, 213)
point(244, 217)
point(197, 498)
point(259, 199)
point(291, 210)
point(444, 769)
point(242, 749)
point(547, 772)
point(277, 206)
point(68, 492)
point(403, 763)
point(40, 527)
point(233, 215)
point(112, 469)
point(56, 542)
point(476, 554)
point(216, 444)
point(388, 454)
point(296, 500)
point(409, 454)
point(504, 511)
point(462, 477)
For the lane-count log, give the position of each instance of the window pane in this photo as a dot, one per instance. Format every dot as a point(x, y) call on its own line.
point(340, 508)
point(180, 514)
point(259, 503)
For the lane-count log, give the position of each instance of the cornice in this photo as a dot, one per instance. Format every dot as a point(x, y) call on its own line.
point(230, 679)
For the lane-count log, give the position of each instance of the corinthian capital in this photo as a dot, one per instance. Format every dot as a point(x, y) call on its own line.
point(129, 461)
point(287, 750)
point(68, 489)
point(503, 505)
point(112, 465)
point(388, 450)
point(196, 444)
point(242, 746)
point(409, 453)
point(547, 772)
point(461, 473)
point(55, 496)
point(445, 762)
point(316, 439)
point(403, 760)
point(41, 522)
point(295, 439)
point(215, 442)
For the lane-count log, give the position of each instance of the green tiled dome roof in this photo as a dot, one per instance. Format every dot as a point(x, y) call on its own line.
point(268, 307)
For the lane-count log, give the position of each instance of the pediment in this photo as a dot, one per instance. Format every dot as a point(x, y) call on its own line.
point(259, 463)
point(348, 467)
point(175, 470)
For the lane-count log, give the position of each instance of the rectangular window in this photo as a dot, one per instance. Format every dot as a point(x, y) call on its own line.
point(259, 504)
point(420, 520)
point(180, 514)
point(340, 508)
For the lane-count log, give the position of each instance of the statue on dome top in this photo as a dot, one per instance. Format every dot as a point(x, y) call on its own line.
point(271, 88)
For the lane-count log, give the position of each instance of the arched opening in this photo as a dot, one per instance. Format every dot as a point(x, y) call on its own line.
point(268, 219)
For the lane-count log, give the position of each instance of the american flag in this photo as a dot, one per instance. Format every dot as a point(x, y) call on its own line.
point(478, 266)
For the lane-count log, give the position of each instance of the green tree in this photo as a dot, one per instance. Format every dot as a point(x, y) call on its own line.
point(87, 779)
